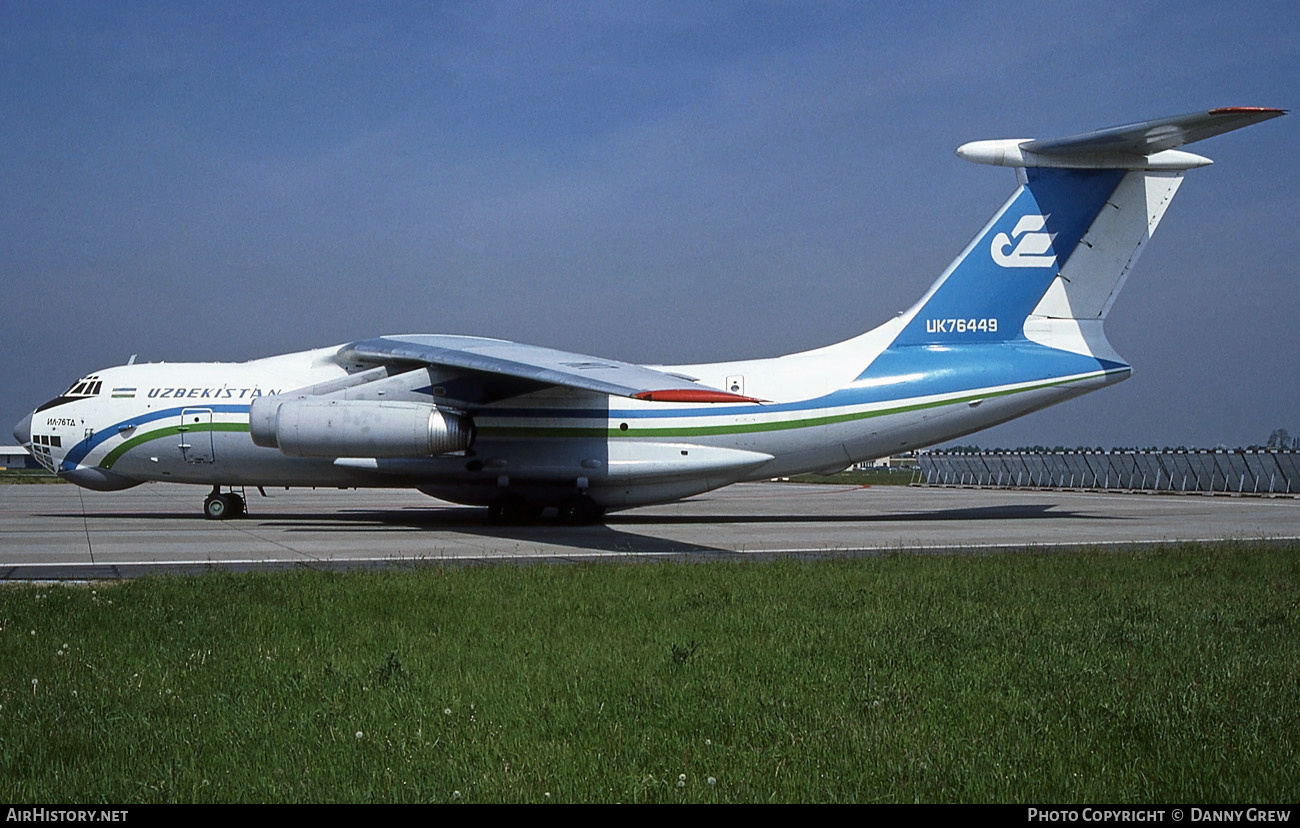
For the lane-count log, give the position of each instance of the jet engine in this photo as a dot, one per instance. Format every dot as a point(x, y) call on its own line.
point(358, 428)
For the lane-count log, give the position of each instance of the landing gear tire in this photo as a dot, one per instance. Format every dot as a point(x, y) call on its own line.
point(580, 510)
point(217, 507)
point(223, 506)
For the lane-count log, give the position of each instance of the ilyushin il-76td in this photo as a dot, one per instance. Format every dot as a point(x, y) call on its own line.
point(1014, 325)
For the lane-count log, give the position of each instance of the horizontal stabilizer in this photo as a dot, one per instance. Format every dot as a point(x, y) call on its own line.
point(1143, 145)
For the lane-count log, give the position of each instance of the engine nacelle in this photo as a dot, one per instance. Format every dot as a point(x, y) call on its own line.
point(357, 428)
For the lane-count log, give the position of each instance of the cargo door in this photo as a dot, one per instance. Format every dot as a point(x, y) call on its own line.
point(196, 435)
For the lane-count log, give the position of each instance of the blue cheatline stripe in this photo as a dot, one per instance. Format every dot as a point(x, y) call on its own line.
point(924, 370)
point(898, 374)
point(699, 427)
point(77, 454)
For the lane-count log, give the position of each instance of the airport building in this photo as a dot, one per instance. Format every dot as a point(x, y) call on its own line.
point(16, 457)
point(1266, 471)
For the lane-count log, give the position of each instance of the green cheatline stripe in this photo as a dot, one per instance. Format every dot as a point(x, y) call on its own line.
point(170, 431)
point(779, 425)
point(683, 431)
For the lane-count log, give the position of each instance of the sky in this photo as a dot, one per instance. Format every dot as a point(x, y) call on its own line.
point(653, 182)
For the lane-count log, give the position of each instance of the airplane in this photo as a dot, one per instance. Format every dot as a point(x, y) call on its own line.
point(1015, 324)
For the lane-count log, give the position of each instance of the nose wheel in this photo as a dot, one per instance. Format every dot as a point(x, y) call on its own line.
point(223, 506)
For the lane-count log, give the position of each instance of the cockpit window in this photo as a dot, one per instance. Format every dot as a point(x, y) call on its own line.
point(88, 387)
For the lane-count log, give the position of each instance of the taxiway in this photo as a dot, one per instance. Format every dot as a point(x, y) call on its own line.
point(63, 532)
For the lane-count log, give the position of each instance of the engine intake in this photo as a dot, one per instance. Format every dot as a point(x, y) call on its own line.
point(357, 428)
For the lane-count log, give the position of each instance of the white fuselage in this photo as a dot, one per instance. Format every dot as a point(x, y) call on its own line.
point(821, 411)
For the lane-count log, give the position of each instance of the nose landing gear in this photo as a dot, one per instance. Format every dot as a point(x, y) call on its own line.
point(219, 506)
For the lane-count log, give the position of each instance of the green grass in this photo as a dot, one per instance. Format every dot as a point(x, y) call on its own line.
point(28, 476)
point(1136, 676)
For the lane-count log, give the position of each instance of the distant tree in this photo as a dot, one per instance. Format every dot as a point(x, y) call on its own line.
point(1281, 439)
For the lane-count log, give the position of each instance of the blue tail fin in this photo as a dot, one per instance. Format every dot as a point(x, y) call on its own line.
point(986, 295)
point(1098, 195)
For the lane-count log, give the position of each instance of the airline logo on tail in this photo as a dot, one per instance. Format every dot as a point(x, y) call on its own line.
point(1031, 249)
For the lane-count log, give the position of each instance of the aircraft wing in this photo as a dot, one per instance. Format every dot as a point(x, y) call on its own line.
point(1150, 137)
point(499, 358)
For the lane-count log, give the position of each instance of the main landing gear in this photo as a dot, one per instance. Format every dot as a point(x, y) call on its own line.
point(580, 510)
point(219, 506)
point(510, 509)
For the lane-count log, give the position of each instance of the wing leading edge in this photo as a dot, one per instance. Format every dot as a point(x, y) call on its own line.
point(502, 358)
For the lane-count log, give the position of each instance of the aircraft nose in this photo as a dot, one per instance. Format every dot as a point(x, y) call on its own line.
point(23, 431)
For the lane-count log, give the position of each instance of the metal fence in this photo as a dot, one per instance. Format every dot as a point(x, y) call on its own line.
point(1252, 472)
